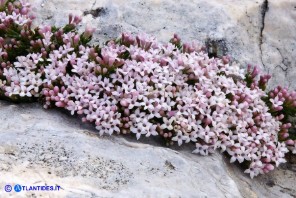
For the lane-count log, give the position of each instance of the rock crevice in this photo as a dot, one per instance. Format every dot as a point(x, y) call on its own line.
point(264, 9)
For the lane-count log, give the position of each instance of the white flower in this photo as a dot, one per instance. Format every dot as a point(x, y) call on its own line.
point(252, 171)
point(167, 123)
point(137, 116)
point(276, 102)
point(236, 155)
point(180, 138)
point(138, 131)
point(152, 131)
point(201, 149)
point(206, 134)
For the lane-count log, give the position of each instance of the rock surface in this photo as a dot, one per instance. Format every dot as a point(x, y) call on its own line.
point(47, 147)
point(39, 147)
point(260, 32)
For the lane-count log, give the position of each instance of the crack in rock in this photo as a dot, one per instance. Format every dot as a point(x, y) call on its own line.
point(285, 62)
point(264, 9)
point(287, 190)
point(94, 4)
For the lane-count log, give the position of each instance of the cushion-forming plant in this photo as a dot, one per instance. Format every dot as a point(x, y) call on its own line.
point(140, 86)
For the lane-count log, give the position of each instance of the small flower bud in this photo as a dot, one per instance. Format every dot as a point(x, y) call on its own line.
point(290, 142)
point(88, 31)
point(56, 89)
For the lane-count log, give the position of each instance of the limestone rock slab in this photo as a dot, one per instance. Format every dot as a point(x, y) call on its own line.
point(39, 147)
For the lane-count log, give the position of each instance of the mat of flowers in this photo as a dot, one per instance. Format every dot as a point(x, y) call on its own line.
point(137, 85)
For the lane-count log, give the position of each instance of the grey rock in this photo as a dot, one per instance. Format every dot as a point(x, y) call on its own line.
point(55, 149)
point(279, 42)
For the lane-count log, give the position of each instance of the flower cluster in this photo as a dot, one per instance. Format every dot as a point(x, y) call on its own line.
point(281, 103)
point(140, 86)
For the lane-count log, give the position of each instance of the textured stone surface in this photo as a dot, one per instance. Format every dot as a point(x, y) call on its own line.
point(260, 32)
point(279, 42)
point(39, 147)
